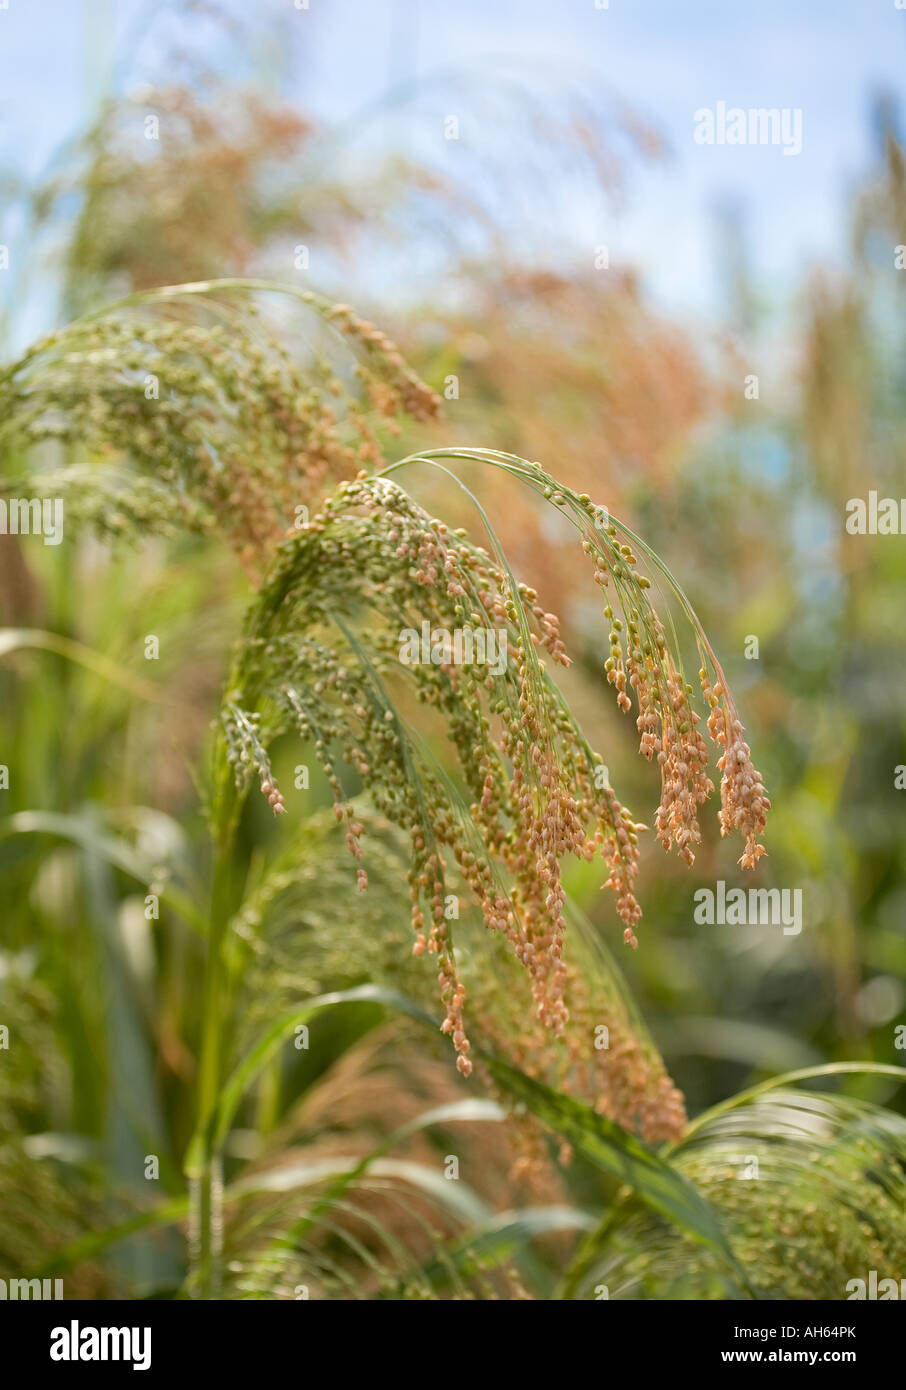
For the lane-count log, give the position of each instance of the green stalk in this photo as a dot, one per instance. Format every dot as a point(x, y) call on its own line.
point(203, 1160)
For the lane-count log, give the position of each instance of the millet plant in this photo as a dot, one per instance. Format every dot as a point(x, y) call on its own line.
point(189, 411)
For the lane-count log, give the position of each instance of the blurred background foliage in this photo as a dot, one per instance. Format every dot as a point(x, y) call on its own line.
point(744, 499)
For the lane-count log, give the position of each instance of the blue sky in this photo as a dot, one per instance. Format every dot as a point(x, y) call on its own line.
point(665, 58)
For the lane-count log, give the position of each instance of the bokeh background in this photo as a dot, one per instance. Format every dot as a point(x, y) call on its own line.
point(326, 127)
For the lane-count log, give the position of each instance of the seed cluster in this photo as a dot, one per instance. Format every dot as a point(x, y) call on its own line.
point(217, 415)
point(325, 651)
point(246, 753)
point(641, 659)
point(744, 803)
point(322, 649)
point(624, 1080)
